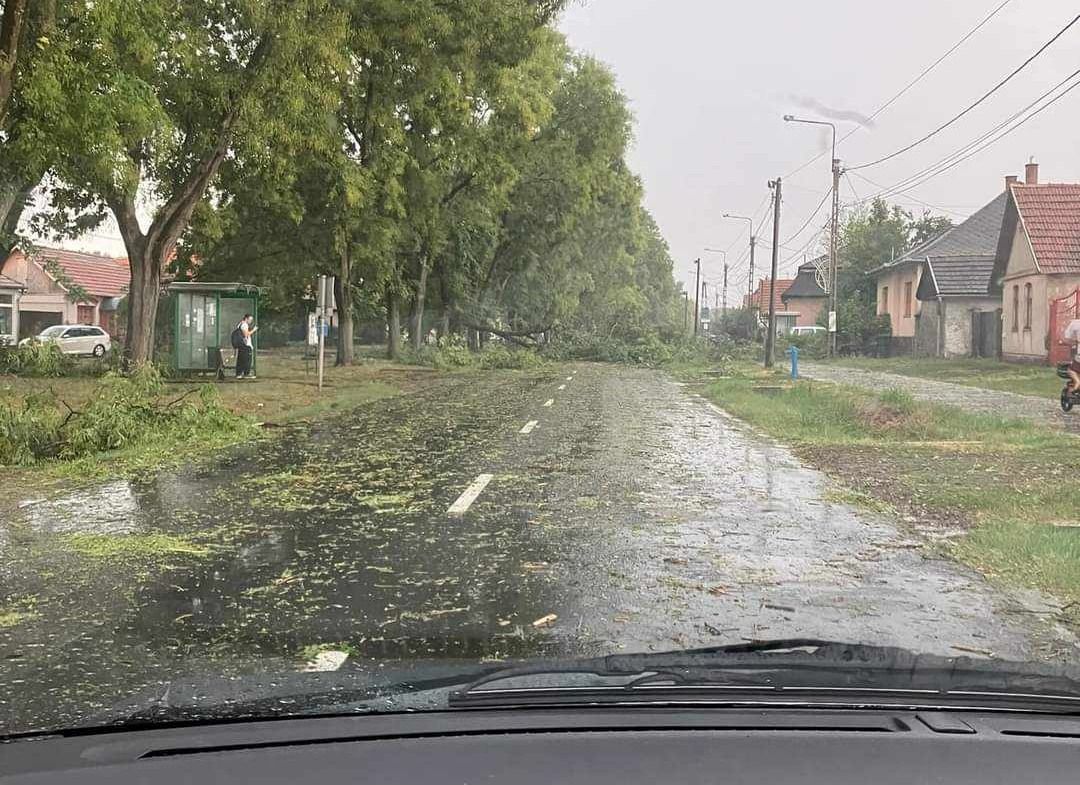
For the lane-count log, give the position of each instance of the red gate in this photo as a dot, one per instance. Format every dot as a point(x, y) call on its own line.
point(1062, 311)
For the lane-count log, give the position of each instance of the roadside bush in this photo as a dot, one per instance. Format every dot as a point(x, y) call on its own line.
point(123, 411)
point(649, 350)
point(29, 429)
point(454, 353)
point(35, 359)
point(500, 355)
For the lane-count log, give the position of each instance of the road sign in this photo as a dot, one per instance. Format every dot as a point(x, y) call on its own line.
point(832, 321)
point(324, 296)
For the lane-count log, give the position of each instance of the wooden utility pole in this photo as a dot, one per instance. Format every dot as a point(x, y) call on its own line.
point(770, 338)
point(697, 296)
point(834, 230)
point(724, 311)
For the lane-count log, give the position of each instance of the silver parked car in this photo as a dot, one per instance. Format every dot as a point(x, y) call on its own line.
point(74, 339)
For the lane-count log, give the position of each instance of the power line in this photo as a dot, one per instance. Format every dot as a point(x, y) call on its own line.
point(925, 72)
point(985, 95)
point(972, 148)
point(938, 207)
point(851, 185)
point(813, 215)
point(987, 134)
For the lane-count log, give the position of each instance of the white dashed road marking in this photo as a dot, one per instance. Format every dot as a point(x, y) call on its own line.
point(549, 402)
point(529, 426)
point(465, 500)
point(326, 661)
point(562, 386)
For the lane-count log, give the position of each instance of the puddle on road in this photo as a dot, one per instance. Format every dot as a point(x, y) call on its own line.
point(108, 509)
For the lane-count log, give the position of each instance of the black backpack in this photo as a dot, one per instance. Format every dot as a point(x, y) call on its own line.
point(237, 338)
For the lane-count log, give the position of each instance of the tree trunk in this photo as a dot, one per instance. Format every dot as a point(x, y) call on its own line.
point(444, 327)
point(343, 296)
point(393, 321)
point(10, 31)
point(146, 266)
point(13, 200)
point(418, 317)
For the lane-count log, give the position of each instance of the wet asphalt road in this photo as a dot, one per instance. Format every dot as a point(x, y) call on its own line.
point(973, 399)
point(637, 514)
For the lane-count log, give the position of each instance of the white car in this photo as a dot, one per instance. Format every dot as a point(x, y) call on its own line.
point(814, 329)
point(74, 339)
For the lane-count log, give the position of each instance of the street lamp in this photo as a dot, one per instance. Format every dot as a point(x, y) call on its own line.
point(753, 242)
point(724, 256)
point(834, 225)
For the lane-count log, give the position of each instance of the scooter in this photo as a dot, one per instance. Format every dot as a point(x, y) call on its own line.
point(1068, 399)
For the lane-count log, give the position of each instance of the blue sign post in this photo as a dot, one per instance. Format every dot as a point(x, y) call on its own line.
point(794, 352)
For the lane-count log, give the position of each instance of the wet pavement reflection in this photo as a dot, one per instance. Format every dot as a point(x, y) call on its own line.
point(635, 517)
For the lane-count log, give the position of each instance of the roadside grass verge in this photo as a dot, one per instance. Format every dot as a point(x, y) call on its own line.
point(1038, 380)
point(1009, 487)
point(286, 392)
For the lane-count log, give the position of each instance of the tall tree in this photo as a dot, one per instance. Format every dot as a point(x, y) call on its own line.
point(12, 18)
point(158, 95)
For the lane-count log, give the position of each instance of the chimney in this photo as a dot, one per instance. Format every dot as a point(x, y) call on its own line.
point(1010, 180)
point(1031, 173)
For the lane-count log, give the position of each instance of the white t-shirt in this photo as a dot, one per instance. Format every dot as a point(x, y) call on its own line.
point(245, 331)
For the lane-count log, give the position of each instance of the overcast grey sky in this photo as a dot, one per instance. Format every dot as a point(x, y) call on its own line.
point(709, 81)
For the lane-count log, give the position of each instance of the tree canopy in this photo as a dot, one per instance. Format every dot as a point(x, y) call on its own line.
point(452, 162)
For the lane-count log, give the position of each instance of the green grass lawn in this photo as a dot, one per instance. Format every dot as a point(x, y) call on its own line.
point(1010, 485)
point(1040, 380)
point(286, 391)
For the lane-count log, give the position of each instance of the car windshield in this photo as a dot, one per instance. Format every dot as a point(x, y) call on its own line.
point(422, 339)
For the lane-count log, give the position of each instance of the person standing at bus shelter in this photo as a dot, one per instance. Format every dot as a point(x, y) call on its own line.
point(245, 348)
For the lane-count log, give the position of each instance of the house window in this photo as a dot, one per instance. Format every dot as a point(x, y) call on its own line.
point(907, 300)
point(1027, 306)
point(86, 314)
point(7, 308)
point(884, 300)
point(1016, 309)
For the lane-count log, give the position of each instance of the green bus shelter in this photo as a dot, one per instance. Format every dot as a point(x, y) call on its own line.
point(204, 315)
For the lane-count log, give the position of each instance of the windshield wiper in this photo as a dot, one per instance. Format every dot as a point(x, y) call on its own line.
point(775, 671)
point(781, 670)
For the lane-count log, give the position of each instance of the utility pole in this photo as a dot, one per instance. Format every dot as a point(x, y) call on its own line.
point(697, 295)
point(832, 250)
point(750, 280)
point(837, 170)
point(770, 339)
point(724, 311)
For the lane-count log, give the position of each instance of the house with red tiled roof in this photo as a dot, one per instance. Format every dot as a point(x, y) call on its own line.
point(758, 303)
point(1037, 268)
point(67, 287)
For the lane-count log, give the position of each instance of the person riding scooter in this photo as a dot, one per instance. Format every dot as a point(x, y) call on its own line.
point(1072, 335)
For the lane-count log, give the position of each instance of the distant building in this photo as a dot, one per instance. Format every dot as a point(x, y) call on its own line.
point(48, 276)
point(805, 296)
point(960, 315)
point(759, 302)
point(938, 296)
point(1037, 268)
